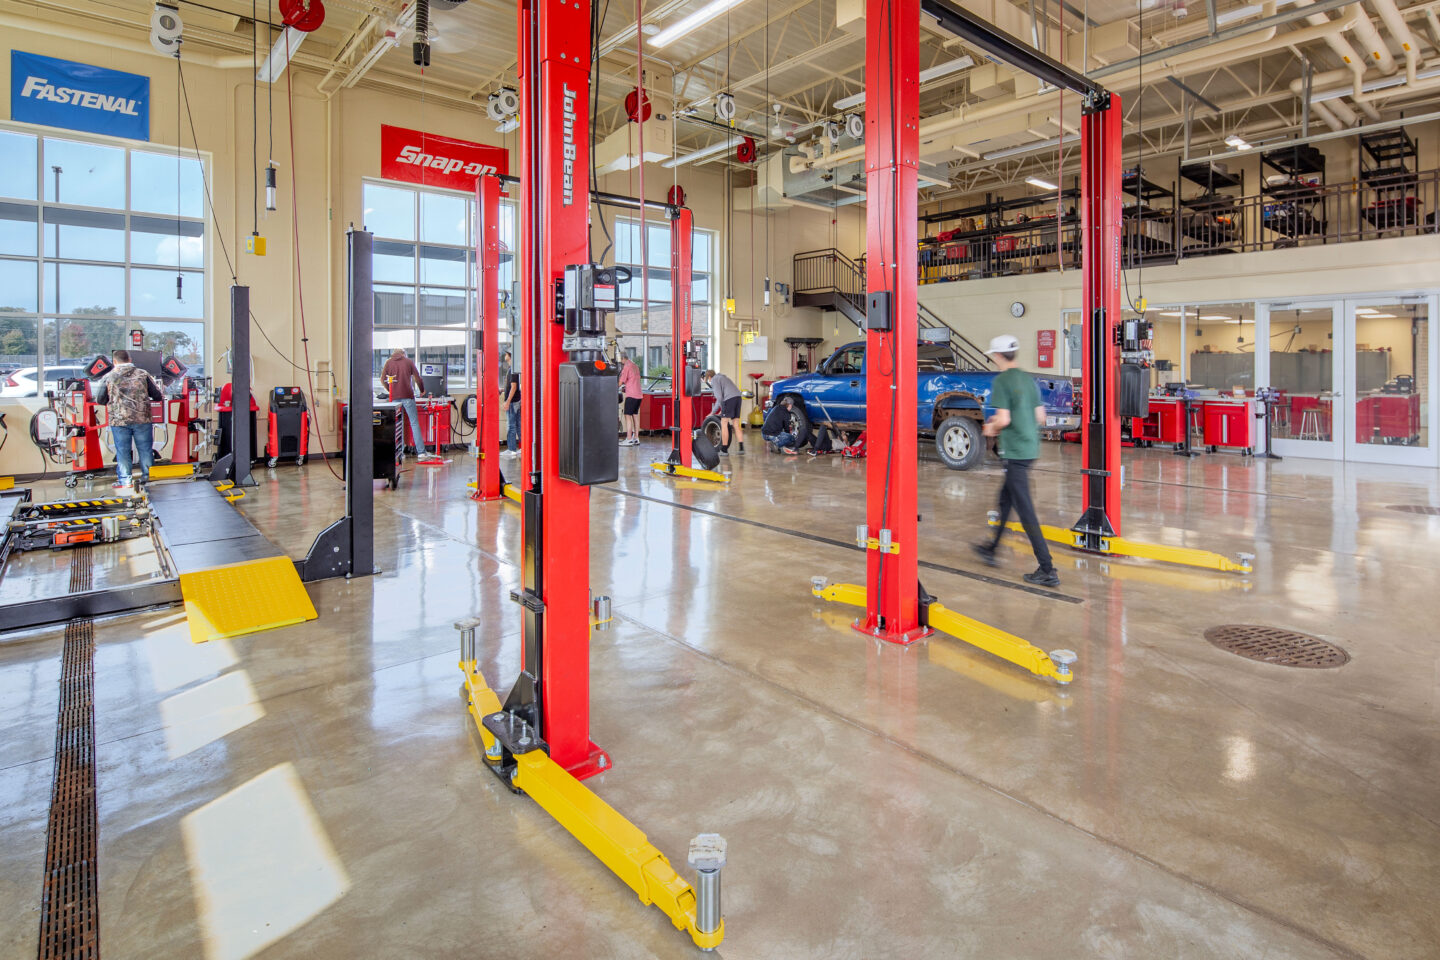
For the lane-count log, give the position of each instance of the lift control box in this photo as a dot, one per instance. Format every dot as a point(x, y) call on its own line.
point(589, 422)
point(588, 293)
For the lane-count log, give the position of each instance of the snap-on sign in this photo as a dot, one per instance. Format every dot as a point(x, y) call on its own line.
point(435, 161)
point(1045, 348)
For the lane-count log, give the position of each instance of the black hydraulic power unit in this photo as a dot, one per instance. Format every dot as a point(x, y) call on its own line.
point(589, 419)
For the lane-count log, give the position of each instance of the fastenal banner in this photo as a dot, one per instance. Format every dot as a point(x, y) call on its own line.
point(78, 96)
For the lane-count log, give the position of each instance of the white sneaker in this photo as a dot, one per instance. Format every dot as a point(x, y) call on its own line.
point(509, 454)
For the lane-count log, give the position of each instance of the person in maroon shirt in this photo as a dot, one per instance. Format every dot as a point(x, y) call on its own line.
point(401, 377)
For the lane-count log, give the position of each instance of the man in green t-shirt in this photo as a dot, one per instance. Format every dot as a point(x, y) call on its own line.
point(1019, 414)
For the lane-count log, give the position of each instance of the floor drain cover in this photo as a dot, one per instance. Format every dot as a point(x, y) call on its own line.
point(1273, 645)
point(1419, 508)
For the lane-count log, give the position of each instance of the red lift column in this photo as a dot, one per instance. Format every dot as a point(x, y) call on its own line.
point(892, 143)
point(1100, 200)
point(554, 70)
point(487, 367)
point(681, 326)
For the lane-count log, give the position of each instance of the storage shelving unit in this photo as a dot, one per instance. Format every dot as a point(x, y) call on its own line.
point(1296, 192)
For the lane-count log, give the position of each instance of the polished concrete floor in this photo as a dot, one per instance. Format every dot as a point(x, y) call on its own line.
point(317, 791)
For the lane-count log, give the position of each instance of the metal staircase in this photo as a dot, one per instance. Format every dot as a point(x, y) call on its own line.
point(829, 280)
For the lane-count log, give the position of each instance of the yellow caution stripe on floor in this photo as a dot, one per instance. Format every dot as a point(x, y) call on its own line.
point(242, 598)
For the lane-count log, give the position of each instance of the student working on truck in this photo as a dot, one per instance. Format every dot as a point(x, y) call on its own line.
point(727, 399)
point(1019, 415)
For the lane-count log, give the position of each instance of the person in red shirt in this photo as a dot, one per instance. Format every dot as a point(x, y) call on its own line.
point(402, 378)
point(630, 384)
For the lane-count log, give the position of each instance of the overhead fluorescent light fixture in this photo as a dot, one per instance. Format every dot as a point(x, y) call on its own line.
point(273, 66)
point(1239, 13)
point(1172, 313)
point(1028, 148)
point(1237, 142)
point(1042, 184)
point(700, 154)
point(929, 74)
point(1217, 316)
point(699, 18)
point(945, 69)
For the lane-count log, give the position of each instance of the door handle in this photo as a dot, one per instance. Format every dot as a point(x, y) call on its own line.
point(854, 383)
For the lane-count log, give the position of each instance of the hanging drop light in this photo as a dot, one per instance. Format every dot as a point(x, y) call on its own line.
point(270, 185)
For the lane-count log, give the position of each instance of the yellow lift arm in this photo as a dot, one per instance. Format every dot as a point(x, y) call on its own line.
point(1120, 547)
point(689, 473)
point(615, 841)
point(1007, 646)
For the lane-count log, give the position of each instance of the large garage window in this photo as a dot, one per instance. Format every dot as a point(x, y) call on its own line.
point(93, 237)
point(425, 283)
point(648, 344)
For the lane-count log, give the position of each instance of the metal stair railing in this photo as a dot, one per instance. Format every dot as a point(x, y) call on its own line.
point(828, 272)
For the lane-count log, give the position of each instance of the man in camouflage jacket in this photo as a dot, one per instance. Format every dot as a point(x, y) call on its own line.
point(127, 391)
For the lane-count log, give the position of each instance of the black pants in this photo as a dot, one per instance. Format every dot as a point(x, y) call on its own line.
point(1016, 493)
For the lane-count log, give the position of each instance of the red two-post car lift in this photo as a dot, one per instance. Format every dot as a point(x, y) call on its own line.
point(538, 741)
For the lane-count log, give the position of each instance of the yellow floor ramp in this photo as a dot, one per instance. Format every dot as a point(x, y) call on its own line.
point(172, 471)
point(242, 598)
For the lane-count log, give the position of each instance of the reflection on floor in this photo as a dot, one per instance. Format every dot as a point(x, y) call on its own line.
point(316, 791)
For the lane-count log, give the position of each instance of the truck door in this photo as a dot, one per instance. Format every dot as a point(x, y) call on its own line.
point(839, 392)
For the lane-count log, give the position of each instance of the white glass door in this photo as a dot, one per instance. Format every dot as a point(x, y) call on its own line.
point(1389, 380)
point(1304, 339)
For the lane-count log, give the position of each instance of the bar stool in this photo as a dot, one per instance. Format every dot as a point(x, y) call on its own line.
point(1310, 424)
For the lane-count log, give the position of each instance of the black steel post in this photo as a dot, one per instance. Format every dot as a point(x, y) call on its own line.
point(360, 438)
point(240, 386)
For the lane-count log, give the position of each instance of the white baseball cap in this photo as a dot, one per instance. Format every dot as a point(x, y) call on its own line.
point(1003, 344)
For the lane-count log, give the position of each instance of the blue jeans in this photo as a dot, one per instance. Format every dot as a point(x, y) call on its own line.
point(143, 436)
point(412, 413)
point(512, 438)
point(783, 440)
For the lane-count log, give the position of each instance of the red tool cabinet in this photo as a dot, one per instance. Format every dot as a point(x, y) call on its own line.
point(1228, 423)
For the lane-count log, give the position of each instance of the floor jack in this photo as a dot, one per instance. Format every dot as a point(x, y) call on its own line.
point(537, 742)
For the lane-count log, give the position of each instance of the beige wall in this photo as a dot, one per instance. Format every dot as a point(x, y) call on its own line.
point(981, 308)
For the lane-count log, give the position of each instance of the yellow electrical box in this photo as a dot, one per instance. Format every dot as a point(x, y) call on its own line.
point(730, 306)
point(747, 337)
point(255, 244)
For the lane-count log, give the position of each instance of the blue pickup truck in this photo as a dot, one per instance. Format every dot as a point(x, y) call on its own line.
point(953, 402)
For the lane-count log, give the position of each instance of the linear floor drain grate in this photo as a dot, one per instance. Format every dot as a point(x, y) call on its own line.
point(1420, 508)
point(1284, 648)
point(70, 902)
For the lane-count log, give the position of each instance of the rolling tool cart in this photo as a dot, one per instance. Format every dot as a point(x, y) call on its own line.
point(289, 426)
point(387, 441)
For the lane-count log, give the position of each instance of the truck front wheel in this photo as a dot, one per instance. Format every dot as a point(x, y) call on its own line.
point(958, 442)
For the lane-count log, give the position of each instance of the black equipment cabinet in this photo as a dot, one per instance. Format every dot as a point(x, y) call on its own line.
point(226, 433)
point(387, 442)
